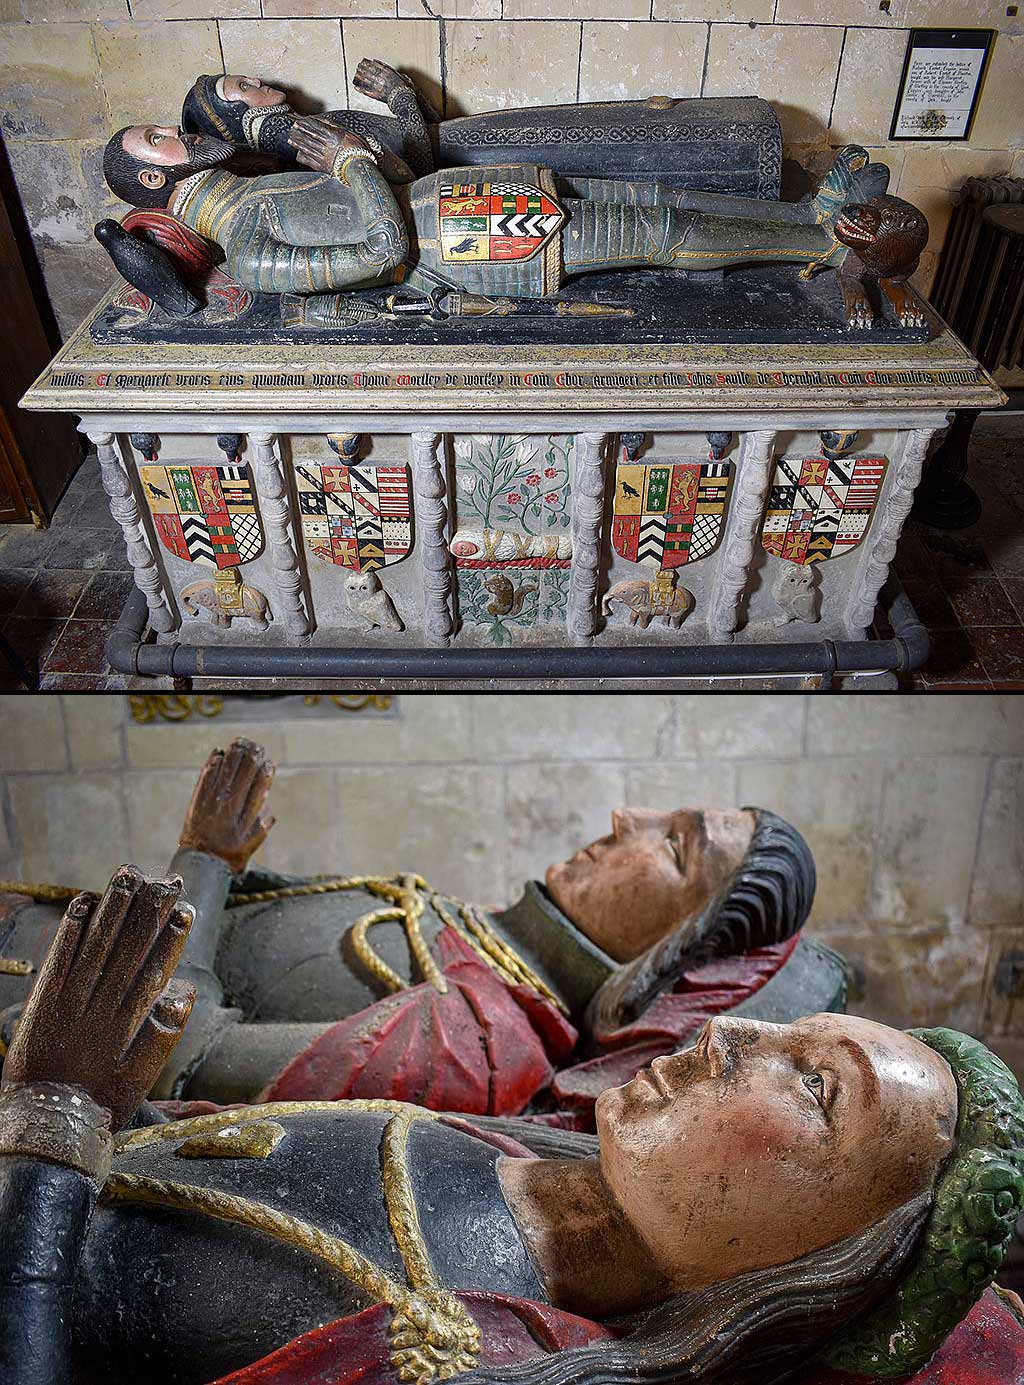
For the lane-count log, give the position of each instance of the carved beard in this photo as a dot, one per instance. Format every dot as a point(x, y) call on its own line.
point(204, 151)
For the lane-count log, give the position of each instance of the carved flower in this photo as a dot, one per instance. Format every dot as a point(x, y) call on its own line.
point(467, 481)
point(551, 497)
point(549, 472)
point(524, 452)
point(533, 479)
point(514, 498)
point(463, 447)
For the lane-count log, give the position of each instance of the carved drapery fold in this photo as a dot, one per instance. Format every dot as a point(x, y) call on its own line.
point(587, 514)
point(272, 489)
point(125, 508)
point(743, 523)
point(430, 490)
point(884, 533)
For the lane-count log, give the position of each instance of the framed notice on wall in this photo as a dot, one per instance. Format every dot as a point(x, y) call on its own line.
point(942, 76)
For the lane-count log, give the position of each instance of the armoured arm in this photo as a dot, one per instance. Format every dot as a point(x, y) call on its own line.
point(262, 261)
point(96, 1030)
point(382, 83)
point(223, 828)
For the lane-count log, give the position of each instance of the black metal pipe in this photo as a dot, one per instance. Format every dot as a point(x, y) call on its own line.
point(908, 649)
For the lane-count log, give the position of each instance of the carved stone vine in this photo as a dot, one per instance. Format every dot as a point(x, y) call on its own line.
point(429, 488)
point(884, 533)
point(272, 489)
point(125, 508)
point(753, 473)
point(587, 514)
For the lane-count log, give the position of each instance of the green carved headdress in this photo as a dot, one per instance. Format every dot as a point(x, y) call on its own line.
point(978, 1198)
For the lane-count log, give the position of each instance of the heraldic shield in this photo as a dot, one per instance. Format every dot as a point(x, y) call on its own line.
point(494, 221)
point(669, 513)
point(204, 514)
point(359, 517)
point(819, 509)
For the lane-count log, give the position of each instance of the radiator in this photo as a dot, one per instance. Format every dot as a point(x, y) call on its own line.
point(979, 286)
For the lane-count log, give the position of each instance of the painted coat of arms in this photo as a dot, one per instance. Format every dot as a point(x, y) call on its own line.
point(669, 513)
point(819, 509)
point(494, 221)
point(204, 514)
point(359, 517)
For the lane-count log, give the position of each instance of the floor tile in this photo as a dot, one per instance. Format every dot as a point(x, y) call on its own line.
point(13, 582)
point(105, 596)
point(51, 593)
point(81, 548)
point(1002, 652)
point(931, 604)
point(74, 682)
point(953, 659)
point(34, 640)
point(1014, 588)
point(981, 601)
point(80, 648)
point(22, 545)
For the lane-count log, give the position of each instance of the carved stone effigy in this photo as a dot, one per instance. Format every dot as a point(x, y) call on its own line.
point(492, 298)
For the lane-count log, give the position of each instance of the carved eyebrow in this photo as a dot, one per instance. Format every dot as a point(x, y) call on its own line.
point(866, 1069)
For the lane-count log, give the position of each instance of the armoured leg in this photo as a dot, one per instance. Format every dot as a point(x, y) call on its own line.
point(615, 235)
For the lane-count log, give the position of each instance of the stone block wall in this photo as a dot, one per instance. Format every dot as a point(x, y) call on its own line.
point(73, 71)
point(914, 808)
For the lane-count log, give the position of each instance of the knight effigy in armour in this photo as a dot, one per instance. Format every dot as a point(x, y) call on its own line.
point(369, 238)
point(381, 987)
point(825, 1202)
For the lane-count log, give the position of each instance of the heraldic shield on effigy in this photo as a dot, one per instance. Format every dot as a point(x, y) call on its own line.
point(820, 509)
point(494, 221)
point(359, 517)
point(669, 513)
point(204, 514)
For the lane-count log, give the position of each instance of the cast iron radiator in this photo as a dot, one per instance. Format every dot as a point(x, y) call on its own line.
point(979, 287)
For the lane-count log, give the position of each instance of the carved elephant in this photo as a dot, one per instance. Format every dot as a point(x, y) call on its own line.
point(644, 604)
point(255, 605)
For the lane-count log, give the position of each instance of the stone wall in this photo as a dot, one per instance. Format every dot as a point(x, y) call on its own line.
point(72, 71)
point(913, 806)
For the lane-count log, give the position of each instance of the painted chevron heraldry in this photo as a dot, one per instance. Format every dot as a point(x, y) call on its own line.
point(669, 513)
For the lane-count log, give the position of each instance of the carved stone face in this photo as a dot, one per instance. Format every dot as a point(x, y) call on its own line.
point(165, 146)
point(887, 233)
point(252, 91)
point(627, 890)
point(766, 1141)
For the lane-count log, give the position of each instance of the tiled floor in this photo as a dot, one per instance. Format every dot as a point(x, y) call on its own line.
point(61, 589)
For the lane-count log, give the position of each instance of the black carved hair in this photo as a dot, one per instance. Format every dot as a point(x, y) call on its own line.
point(761, 1328)
point(121, 171)
point(765, 901)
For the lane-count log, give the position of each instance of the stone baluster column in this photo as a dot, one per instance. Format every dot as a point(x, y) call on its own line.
point(272, 489)
point(430, 490)
point(587, 514)
point(884, 533)
point(743, 523)
point(125, 508)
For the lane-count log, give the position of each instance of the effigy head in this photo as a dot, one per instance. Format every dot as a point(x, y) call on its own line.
point(767, 1142)
point(975, 1206)
point(218, 105)
point(654, 870)
point(143, 163)
point(886, 233)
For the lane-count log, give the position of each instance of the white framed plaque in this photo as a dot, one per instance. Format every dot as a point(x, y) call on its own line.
point(941, 82)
